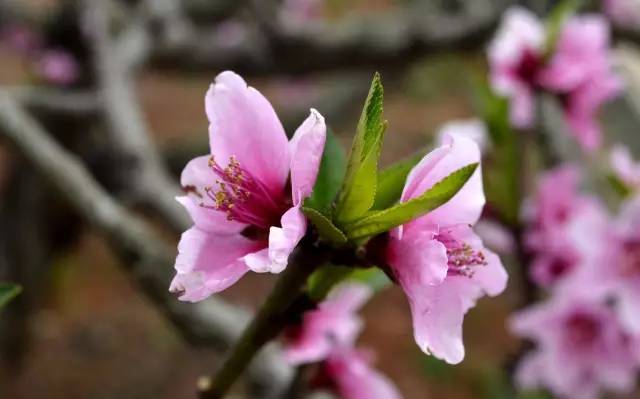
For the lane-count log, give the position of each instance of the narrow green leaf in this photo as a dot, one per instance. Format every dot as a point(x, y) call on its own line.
point(440, 193)
point(327, 230)
point(373, 277)
point(619, 186)
point(555, 21)
point(391, 182)
point(330, 175)
point(324, 279)
point(359, 187)
point(8, 291)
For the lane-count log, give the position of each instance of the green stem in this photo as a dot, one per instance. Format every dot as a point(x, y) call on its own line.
point(274, 315)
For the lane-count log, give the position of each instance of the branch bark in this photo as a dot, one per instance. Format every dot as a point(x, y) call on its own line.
point(143, 253)
point(151, 181)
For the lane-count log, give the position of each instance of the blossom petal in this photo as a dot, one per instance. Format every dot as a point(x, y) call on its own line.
point(306, 149)
point(419, 258)
point(208, 263)
point(195, 178)
point(438, 313)
point(243, 124)
point(465, 207)
point(355, 379)
point(283, 240)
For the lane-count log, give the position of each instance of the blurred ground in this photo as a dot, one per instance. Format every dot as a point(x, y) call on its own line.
point(96, 337)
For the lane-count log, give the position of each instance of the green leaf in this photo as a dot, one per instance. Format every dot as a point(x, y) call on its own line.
point(8, 291)
point(359, 187)
point(619, 186)
point(440, 193)
point(322, 281)
point(501, 165)
point(391, 182)
point(327, 230)
point(330, 175)
point(373, 277)
point(555, 21)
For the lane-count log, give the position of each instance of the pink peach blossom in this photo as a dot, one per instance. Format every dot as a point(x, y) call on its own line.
point(580, 72)
point(624, 167)
point(474, 129)
point(565, 227)
point(438, 260)
point(334, 323)
point(581, 348)
point(244, 219)
point(350, 375)
point(623, 12)
point(515, 59)
point(58, 67)
point(616, 273)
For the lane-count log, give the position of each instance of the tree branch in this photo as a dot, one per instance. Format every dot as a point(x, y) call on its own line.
point(151, 182)
point(378, 41)
point(145, 256)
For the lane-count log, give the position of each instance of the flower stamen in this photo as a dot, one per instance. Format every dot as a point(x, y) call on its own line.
point(241, 196)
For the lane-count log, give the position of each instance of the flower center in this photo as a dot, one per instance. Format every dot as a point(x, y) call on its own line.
point(244, 198)
point(559, 267)
point(528, 67)
point(461, 256)
point(582, 330)
point(630, 262)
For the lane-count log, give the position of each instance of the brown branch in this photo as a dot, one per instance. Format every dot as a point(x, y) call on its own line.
point(150, 179)
point(143, 253)
point(377, 41)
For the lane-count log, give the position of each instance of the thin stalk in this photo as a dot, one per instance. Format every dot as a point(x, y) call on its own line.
point(280, 307)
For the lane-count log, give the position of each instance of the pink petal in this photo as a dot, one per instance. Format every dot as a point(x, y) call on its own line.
point(208, 263)
point(355, 379)
point(258, 261)
point(282, 241)
point(243, 124)
point(418, 258)
point(437, 313)
point(348, 297)
point(195, 177)
point(522, 107)
point(333, 323)
point(465, 207)
point(624, 166)
point(306, 149)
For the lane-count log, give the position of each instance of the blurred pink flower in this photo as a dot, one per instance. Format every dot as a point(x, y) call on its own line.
point(334, 323)
point(515, 59)
point(623, 12)
point(58, 67)
point(624, 167)
point(348, 372)
point(438, 260)
point(616, 273)
point(581, 348)
point(244, 219)
point(301, 11)
point(580, 72)
point(495, 236)
point(565, 227)
point(21, 38)
point(229, 34)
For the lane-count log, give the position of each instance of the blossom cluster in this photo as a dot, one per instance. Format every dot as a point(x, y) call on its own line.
point(246, 200)
point(526, 59)
point(587, 331)
point(54, 65)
